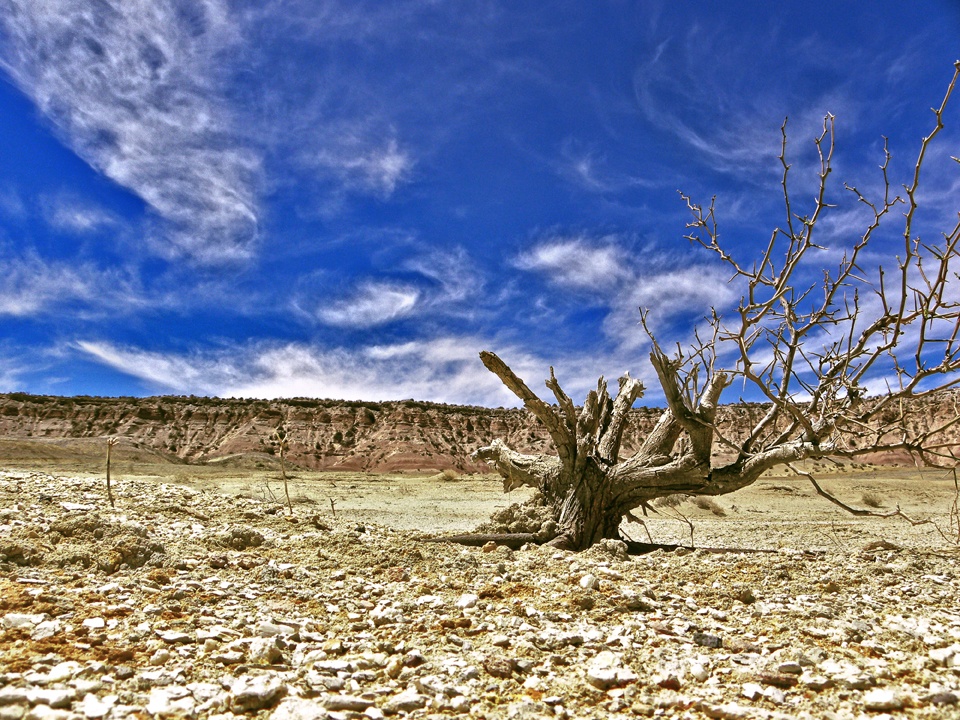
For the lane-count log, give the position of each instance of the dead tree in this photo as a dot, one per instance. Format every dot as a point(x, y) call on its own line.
point(839, 363)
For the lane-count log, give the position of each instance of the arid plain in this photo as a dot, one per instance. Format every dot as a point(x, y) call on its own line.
point(200, 595)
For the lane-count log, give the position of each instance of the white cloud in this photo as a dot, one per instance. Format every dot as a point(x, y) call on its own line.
point(11, 204)
point(31, 286)
point(70, 214)
point(685, 294)
point(12, 369)
point(579, 263)
point(361, 164)
point(441, 370)
point(592, 171)
point(132, 85)
point(165, 371)
point(453, 270)
point(372, 304)
point(694, 89)
point(671, 288)
point(436, 282)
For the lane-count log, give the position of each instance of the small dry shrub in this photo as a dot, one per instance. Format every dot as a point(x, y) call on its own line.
point(705, 503)
point(871, 499)
point(670, 501)
point(449, 475)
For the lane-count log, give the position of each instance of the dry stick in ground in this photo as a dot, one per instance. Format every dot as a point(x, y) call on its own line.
point(110, 443)
point(814, 351)
point(280, 435)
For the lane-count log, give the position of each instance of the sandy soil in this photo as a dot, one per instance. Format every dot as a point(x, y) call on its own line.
point(778, 511)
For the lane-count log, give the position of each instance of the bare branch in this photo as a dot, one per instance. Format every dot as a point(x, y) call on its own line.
point(859, 512)
point(563, 438)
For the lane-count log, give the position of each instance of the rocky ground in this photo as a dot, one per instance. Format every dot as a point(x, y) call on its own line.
point(184, 602)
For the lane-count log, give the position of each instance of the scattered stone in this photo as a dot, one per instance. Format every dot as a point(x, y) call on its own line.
point(174, 637)
point(347, 702)
point(21, 620)
point(668, 681)
point(333, 623)
point(605, 672)
point(256, 693)
point(406, 702)
point(467, 601)
point(780, 680)
point(942, 698)
point(13, 712)
point(589, 582)
point(882, 700)
point(707, 640)
point(499, 666)
point(170, 701)
point(54, 697)
point(264, 651)
point(790, 668)
point(93, 707)
point(293, 708)
point(946, 656)
point(727, 711)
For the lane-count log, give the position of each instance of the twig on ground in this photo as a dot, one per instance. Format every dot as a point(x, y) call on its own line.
point(859, 512)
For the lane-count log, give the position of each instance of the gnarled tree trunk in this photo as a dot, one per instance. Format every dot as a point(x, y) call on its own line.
point(586, 486)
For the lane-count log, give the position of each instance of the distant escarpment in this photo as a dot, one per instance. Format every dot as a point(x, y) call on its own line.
point(405, 435)
point(321, 434)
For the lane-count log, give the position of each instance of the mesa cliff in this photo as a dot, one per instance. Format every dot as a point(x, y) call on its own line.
point(405, 435)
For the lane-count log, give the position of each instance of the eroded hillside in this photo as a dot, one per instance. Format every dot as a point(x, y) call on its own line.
point(327, 434)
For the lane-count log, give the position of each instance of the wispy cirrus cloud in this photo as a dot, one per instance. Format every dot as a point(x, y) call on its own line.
point(133, 87)
point(371, 304)
point(591, 170)
point(166, 371)
point(13, 367)
point(360, 165)
point(689, 90)
point(430, 282)
point(31, 286)
point(70, 214)
point(455, 275)
point(670, 288)
point(579, 262)
point(443, 369)
point(12, 204)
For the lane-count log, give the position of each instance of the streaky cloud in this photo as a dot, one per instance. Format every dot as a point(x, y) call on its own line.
point(132, 86)
point(444, 369)
point(371, 304)
point(578, 262)
point(31, 286)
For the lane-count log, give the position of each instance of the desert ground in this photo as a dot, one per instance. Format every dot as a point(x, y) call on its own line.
point(200, 595)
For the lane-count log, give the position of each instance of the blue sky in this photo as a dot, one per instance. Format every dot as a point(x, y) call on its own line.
point(351, 199)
